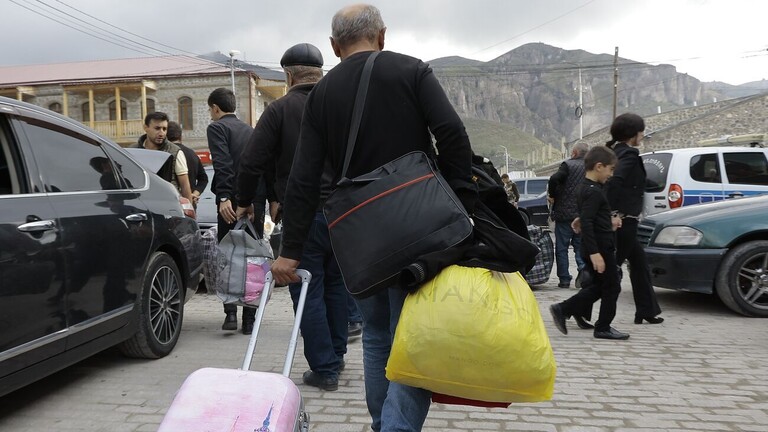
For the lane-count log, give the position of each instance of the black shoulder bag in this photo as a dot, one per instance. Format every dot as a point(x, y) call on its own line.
point(383, 221)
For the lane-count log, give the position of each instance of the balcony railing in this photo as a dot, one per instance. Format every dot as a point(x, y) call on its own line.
point(129, 128)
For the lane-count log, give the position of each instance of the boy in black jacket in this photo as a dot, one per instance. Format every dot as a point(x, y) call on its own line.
point(598, 245)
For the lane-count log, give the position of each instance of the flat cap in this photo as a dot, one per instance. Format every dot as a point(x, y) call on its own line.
point(302, 54)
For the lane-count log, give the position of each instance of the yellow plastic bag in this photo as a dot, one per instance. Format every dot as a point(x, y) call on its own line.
point(476, 334)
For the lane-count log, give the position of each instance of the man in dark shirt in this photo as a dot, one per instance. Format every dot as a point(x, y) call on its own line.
point(404, 103)
point(269, 154)
point(598, 245)
point(198, 179)
point(227, 136)
point(562, 195)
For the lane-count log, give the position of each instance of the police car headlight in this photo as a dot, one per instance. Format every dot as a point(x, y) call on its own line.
point(678, 236)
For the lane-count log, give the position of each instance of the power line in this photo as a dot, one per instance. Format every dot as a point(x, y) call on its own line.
point(79, 30)
point(537, 27)
point(108, 32)
point(126, 31)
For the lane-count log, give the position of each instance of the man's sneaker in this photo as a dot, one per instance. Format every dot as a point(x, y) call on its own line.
point(313, 379)
point(230, 322)
point(564, 284)
point(354, 329)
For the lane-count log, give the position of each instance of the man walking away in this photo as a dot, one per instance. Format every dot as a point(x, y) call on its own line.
point(198, 179)
point(405, 102)
point(269, 154)
point(227, 136)
point(562, 196)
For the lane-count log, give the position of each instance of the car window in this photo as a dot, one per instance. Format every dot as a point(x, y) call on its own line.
point(8, 178)
point(705, 168)
point(656, 170)
point(70, 162)
point(746, 168)
point(537, 187)
point(132, 174)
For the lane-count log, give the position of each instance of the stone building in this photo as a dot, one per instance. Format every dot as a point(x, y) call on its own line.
point(113, 96)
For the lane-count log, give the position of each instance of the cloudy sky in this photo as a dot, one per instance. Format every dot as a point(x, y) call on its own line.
point(721, 40)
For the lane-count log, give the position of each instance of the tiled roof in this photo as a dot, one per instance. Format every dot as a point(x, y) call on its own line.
point(108, 70)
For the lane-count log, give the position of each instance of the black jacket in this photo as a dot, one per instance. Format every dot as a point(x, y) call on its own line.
point(226, 139)
point(198, 179)
point(597, 234)
point(271, 147)
point(562, 187)
point(626, 188)
point(404, 103)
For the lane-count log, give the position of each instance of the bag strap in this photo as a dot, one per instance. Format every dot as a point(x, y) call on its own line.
point(247, 222)
point(357, 111)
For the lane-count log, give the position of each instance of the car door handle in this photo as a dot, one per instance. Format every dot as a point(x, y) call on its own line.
point(735, 195)
point(37, 226)
point(660, 205)
point(136, 217)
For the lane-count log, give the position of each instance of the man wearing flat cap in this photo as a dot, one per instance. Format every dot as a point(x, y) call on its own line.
point(269, 154)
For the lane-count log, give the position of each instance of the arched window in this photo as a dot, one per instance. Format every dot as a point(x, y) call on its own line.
point(150, 106)
point(185, 113)
point(86, 112)
point(113, 110)
point(55, 107)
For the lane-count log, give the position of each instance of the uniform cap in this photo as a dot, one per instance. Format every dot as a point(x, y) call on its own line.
point(302, 54)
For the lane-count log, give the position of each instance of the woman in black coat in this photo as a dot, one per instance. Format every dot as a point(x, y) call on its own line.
point(625, 195)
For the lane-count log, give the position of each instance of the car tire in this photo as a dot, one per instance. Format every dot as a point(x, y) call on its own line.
point(161, 310)
point(742, 280)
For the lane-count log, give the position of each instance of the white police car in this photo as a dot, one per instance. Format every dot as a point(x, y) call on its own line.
point(683, 177)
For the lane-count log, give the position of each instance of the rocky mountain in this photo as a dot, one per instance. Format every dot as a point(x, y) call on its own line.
point(535, 88)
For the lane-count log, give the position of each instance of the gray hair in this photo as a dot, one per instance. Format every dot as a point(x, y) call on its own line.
point(580, 148)
point(304, 74)
point(356, 23)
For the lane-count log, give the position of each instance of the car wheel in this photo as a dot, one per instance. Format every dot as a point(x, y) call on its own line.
point(161, 310)
point(742, 281)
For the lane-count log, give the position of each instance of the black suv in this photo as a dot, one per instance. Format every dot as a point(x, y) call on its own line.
point(95, 251)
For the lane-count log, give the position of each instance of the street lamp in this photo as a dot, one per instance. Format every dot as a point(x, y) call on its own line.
point(506, 159)
point(232, 54)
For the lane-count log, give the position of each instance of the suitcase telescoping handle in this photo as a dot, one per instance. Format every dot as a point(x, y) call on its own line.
point(269, 284)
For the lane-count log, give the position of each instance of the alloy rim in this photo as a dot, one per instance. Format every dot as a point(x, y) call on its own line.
point(752, 281)
point(165, 305)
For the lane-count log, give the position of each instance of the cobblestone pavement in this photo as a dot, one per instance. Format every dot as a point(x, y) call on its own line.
point(704, 369)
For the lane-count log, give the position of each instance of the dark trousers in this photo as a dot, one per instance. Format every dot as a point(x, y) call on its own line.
point(325, 319)
point(598, 286)
point(629, 249)
point(223, 227)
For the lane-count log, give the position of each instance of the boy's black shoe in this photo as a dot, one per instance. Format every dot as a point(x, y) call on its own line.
point(611, 333)
point(583, 323)
point(557, 315)
point(313, 379)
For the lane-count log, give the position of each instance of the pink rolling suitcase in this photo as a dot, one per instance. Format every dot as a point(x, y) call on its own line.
point(241, 400)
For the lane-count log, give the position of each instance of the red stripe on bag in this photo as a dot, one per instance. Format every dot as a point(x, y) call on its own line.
point(383, 194)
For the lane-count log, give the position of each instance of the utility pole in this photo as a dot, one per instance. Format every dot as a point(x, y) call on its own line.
point(615, 81)
point(581, 108)
point(506, 159)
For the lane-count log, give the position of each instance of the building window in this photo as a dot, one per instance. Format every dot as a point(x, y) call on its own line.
point(185, 113)
point(55, 107)
point(150, 106)
point(113, 110)
point(86, 108)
